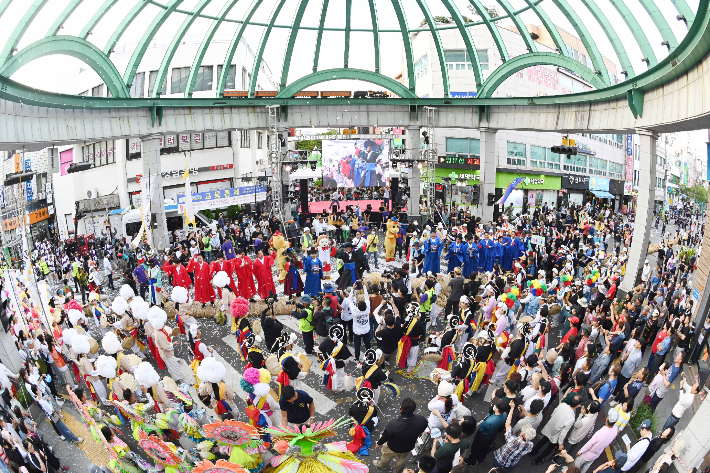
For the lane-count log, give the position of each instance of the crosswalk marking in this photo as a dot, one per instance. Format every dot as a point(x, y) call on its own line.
point(323, 403)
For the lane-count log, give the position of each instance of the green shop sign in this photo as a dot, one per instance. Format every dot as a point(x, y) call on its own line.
point(532, 181)
point(472, 176)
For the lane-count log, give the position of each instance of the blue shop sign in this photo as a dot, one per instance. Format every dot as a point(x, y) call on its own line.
point(463, 95)
point(598, 184)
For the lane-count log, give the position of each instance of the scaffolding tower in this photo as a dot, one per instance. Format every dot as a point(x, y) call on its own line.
point(428, 173)
point(275, 161)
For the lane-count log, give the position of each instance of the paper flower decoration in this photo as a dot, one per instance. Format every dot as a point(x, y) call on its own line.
point(158, 450)
point(239, 307)
point(230, 432)
point(222, 466)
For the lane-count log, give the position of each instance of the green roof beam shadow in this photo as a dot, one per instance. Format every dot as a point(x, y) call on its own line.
point(319, 38)
point(536, 59)
point(610, 33)
point(406, 40)
point(3, 6)
point(549, 26)
point(174, 44)
point(348, 16)
point(143, 44)
point(375, 33)
point(586, 37)
point(19, 31)
point(437, 42)
point(468, 41)
point(685, 11)
point(59, 22)
point(125, 23)
point(260, 53)
point(298, 17)
point(350, 73)
point(75, 47)
point(200, 54)
point(636, 30)
point(492, 27)
point(222, 79)
point(669, 39)
point(522, 29)
point(97, 16)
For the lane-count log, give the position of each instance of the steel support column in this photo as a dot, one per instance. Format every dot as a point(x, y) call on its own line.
point(415, 181)
point(150, 154)
point(644, 210)
point(488, 173)
point(276, 161)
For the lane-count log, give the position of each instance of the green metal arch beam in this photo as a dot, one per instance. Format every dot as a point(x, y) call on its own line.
point(19, 31)
point(200, 54)
point(536, 59)
point(375, 33)
point(222, 79)
point(610, 33)
point(522, 29)
point(468, 41)
point(492, 28)
point(437, 42)
point(354, 74)
point(260, 52)
point(148, 36)
point(75, 47)
point(125, 23)
point(550, 27)
point(636, 30)
point(96, 17)
point(348, 16)
point(59, 22)
point(298, 17)
point(319, 38)
point(586, 37)
point(406, 40)
point(661, 24)
point(684, 9)
point(3, 6)
point(174, 44)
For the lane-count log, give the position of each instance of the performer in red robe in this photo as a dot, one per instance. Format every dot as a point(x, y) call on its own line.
point(220, 264)
point(262, 271)
point(180, 277)
point(242, 266)
point(204, 292)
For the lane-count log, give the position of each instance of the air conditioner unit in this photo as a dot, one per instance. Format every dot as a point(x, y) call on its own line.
point(92, 193)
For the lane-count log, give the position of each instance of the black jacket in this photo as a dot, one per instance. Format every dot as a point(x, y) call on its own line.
point(272, 329)
point(401, 434)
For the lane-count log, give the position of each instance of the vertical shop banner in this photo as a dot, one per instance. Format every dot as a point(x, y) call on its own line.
point(629, 158)
point(65, 160)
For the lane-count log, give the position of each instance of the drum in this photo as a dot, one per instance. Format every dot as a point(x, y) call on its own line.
point(432, 354)
point(134, 360)
point(128, 381)
point(128, 342)
point(305, 362)
point(256, 327)
point(169, 384)
point(94, 346)
point(176, 331)
point(554, 309)
point(103, 322)
point(437, 374)
point(273, 365)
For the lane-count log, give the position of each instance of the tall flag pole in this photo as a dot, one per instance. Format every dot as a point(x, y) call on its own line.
point(189, 212)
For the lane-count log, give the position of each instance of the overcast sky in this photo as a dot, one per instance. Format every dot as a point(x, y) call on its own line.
point(47, 73)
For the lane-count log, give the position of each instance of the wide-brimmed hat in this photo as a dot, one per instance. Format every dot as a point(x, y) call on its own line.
point(582, 302)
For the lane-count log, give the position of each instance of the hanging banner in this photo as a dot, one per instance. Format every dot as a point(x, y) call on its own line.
point(221, 198)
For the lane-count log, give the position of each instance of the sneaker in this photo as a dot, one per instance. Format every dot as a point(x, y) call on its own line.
point(613, 404)
point(61, 437)
point(60, 400)
point(79, 440)
point(65, 468)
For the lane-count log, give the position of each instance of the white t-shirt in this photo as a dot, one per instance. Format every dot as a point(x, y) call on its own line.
point(440, 406)
point(685, 400)
point(545, 400)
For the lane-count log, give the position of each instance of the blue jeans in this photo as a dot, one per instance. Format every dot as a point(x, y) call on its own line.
point(208, 256)
point(372, 253)
point(670, 422)
point(64, 430)
point(365, 339)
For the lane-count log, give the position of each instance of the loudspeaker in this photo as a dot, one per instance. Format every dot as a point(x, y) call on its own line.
point(394, 191)
point(304, 196)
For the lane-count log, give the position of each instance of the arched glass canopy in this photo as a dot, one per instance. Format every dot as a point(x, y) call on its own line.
point(627, 29)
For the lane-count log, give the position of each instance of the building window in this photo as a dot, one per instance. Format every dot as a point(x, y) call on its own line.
point(259, 140)
point(97, 91)
point(576, 163)
point(464, 151)
point(178, 81)
point(244, 141)
point(421, 66)
point(516, 154)
point(544, 158)
point(597, 167)
point(203, 81)
point(99, 154)
point(151, 82)
point(231, 77)
point(138, 86)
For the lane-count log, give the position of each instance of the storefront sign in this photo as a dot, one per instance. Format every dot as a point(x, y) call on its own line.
point(472, 177)
point(571, 181)
point(461, 162)
point(34, 217)
point(629, 157)
point(627, 188)
point(220, 198)
point(584, 149)
point(220, 167)
point(177, 174)
point(598, 184)
point(532, 181)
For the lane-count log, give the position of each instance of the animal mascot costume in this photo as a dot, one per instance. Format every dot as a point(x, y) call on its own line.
point(326, 251)
point(364, 415)
point(279, 243)
point(391, 238)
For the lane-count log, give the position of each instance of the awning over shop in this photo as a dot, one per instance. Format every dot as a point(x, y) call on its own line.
point(603, 194)
point(118, 211)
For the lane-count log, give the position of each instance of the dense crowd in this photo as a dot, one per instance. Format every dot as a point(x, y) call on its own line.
point(528, 306)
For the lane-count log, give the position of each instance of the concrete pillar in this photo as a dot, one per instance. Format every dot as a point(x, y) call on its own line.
point(150, 154)
point(415, 175)
point(644, 210)
point(235, 158)
point(488, 173)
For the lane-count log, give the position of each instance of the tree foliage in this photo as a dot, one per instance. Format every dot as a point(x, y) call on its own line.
point(697, 192)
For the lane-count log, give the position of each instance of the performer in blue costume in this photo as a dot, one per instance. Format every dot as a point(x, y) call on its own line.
point(432, 255)
point(507, 260)
point(519, 247)
point(470, 260)
point(455, 254)
point(314, 273)
point(483, 253)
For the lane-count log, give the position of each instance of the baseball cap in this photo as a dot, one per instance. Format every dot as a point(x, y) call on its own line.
point(613, 416)
point(620, 459)
point(646, 424)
